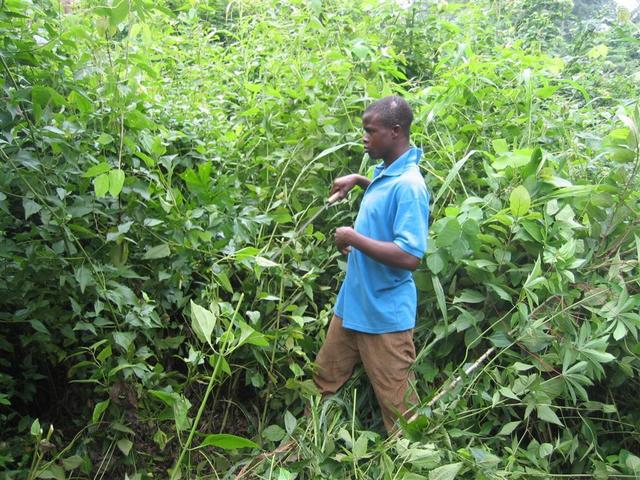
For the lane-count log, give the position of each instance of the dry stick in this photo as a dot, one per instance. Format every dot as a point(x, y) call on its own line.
point(478, 362)
point(457, 380)
point(263, 456)
point(450, 387)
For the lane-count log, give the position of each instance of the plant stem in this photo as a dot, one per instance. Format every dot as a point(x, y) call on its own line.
point(187, 444)
point(207, 393)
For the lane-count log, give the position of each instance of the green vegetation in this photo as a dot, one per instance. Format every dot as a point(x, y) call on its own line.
point(164, 293)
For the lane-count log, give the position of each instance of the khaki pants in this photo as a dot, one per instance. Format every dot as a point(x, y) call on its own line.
point(386, 358)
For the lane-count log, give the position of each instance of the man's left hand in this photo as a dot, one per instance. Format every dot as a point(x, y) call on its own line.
point(343, 238)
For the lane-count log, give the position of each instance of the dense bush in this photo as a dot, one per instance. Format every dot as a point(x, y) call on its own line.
point(168, 269)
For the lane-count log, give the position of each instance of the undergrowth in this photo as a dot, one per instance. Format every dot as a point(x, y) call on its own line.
point(167, 265)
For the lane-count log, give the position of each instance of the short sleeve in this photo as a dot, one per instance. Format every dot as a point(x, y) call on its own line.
point(411, 223)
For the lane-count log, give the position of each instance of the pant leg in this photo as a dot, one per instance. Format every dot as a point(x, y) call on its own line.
point(387, 358)
point(336, 359)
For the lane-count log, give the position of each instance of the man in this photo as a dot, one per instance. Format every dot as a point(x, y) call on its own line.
point(375, 311)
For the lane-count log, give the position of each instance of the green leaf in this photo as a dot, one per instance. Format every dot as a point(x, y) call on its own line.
point(42, 96)
point(80, 101)
point(148, 161)
point(97, 170)
point(620, 332)
point(36, 429)
point(124, 339)
point(597, 355)
point(445, 472)
point(435, 263)
point(105, 139)
point(509, 427)
point(101, 185)
point(116, 181)
point(507, 392)
point(159, 251)
point(202, 322)
point(500, 145)
point(469, 296)
point(633, 463)
point(119, 12)
point(451, 175)
point(442, 303)
point(599, 51)
point(30, 207)
point(53, 471)
point(227, 441)
point(98, 410)
point(224, 282)
point(545, 450)
point(169, 398)
point(124, 444)
point(519, 201)
point(38, 326)
point(316, 6)
point(181, 408)
point(330, 150)
point(266, 263)
point(84, 277)
point(360, 447)
point(545, 413)
point(290, 422)
point(449, 234)
point(535, 163)
point(515, 159)
point(249, 335)
point(224, 365)
point(545, 92)
point(72, 462)
point(137, 120)
point(522, 367)
point(502, 293)
point(360, 49)
point(246, 252)
point(412, 476)
point(275, 433)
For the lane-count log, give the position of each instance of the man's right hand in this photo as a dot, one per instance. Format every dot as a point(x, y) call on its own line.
point(342, 185)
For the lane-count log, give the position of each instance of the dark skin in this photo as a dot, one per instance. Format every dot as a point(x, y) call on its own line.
point(388, 144)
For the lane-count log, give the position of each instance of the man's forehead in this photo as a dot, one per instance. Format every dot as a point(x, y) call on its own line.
point(370, 118)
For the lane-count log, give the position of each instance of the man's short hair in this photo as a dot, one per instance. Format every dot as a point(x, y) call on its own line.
point(393, 110)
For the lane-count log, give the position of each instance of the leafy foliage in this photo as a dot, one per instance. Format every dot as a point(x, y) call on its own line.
point(168, 271)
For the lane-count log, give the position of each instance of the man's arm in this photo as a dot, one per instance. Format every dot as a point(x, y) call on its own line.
point(385, 252)
point(362, 181)
point(342, 185)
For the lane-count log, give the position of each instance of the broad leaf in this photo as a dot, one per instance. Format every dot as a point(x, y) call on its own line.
point(116, 181)
point(519, 201)
point(101, 185)
point(545, 413)
point(445, 472)
point(227, 441)
point(202, 322)
point(159, 251)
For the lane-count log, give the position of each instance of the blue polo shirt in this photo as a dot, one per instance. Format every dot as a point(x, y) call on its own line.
point(374, 297)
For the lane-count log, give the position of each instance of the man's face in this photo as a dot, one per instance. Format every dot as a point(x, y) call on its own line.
point(378, 139)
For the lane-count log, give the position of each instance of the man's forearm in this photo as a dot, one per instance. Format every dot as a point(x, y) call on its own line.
point(362, 181)
point(385, 252)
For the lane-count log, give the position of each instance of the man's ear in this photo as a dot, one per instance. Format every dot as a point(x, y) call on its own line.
point(395, 131)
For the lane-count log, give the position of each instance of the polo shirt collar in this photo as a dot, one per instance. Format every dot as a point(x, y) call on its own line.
point(399, 165)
